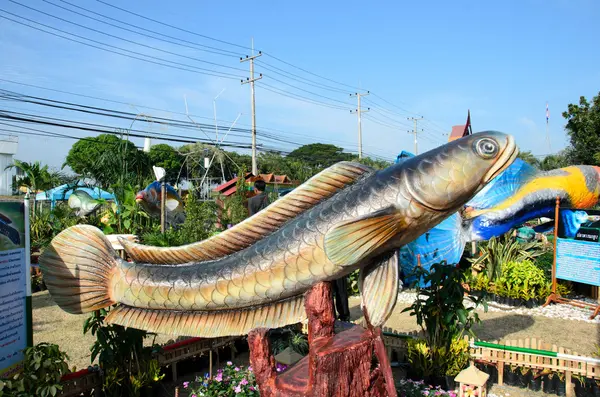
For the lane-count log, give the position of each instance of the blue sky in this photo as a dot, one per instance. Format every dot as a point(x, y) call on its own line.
point(501, 60)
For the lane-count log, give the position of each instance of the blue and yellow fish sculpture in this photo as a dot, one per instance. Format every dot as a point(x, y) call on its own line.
point(519, 194)
point(150, 198)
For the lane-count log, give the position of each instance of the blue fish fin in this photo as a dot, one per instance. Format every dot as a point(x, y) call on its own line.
point(444, 242)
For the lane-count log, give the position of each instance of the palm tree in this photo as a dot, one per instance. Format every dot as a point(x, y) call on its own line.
point(36, 177)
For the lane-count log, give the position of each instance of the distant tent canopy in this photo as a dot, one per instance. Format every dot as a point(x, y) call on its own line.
point(459, 131)
point(63, 192)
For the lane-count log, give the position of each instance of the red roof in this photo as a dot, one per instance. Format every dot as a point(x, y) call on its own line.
point(230, 187)
point(459, 131)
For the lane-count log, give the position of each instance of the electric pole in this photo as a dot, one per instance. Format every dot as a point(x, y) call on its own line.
point(251, 81)
point(359, 111)
point(415, 131)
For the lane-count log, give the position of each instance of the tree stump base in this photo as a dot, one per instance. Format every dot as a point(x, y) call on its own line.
point(336, 365)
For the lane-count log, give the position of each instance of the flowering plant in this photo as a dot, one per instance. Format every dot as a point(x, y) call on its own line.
point(229, 381)
point(410, 388)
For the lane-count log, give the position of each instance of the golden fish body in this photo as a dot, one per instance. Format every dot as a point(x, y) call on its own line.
point(359, 226)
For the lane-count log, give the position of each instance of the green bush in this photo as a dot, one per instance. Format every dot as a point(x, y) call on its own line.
point(523, 279)
point(442, 315)
point(353, 283)
point(500, 250)
point(44, 366)
point(545, 262)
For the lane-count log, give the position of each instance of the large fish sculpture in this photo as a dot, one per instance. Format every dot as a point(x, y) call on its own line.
point(83, 203)
point(521, 193)
point(255, 274)
point(150, 200)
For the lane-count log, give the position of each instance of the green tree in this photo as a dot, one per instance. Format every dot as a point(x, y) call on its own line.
point(110, 160)
point(554, 161)
point(320, 155)
point(165, 156)
point(583, 127)
point(529, 157)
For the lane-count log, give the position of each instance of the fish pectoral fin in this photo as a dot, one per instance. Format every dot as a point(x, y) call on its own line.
point(349, 242)
point(378, 284)
point(211, 324)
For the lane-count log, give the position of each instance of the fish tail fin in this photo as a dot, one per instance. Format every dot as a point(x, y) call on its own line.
point(78, 269)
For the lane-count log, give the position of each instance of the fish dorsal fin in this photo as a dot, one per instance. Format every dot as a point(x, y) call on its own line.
point(211, 324)
point(350, 242)
point(378, 286)
point(318, 188)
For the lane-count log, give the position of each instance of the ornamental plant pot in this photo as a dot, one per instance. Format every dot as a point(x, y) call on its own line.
point(535, 384)
point(547, 384)
point(530, 303)
point(560, 386)
point(524, 380)
point(510, 377)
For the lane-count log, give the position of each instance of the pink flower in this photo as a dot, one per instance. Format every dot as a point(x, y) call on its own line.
point(250, 368)
point(193, 395)
point(237, 389)
point(186, 385)
point(219, 377)
point(236, 369)
point(244, 382)
point(251, 388)
point(229, 363)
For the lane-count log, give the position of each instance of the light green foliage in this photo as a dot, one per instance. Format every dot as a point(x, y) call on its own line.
point(126, 217)
point(121, 354)
point(504, 249)
point(200, 224)
point(44, 366)
point(441, 313)
point(523, 280)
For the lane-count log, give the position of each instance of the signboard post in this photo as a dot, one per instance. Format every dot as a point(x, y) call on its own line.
point(576, 252)
point(16, 332)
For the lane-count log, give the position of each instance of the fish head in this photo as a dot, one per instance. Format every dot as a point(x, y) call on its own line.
point(444, 179)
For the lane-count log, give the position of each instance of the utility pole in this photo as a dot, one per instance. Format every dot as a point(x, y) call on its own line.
point(251, 80)
point(415, 131)
point(359, 111)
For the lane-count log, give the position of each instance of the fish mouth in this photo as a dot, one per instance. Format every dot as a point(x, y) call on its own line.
point(506, 158)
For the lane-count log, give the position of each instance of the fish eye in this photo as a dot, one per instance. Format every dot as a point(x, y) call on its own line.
point(486, 148)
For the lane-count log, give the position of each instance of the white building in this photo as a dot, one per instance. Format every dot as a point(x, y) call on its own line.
point(8, 148)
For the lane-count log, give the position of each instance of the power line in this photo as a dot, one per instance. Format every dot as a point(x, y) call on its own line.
point(173, 27)
point(194, 69)
point(126, 40)
point(189, 44)
point(299, 97)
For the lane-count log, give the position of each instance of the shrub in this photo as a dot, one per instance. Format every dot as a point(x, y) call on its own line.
point(441, 313)
point(43, 367)
point(410, 388)
point(523, 279)
point(500, 250)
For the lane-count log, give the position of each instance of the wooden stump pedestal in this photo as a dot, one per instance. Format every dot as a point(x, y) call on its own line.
point(337, 364)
